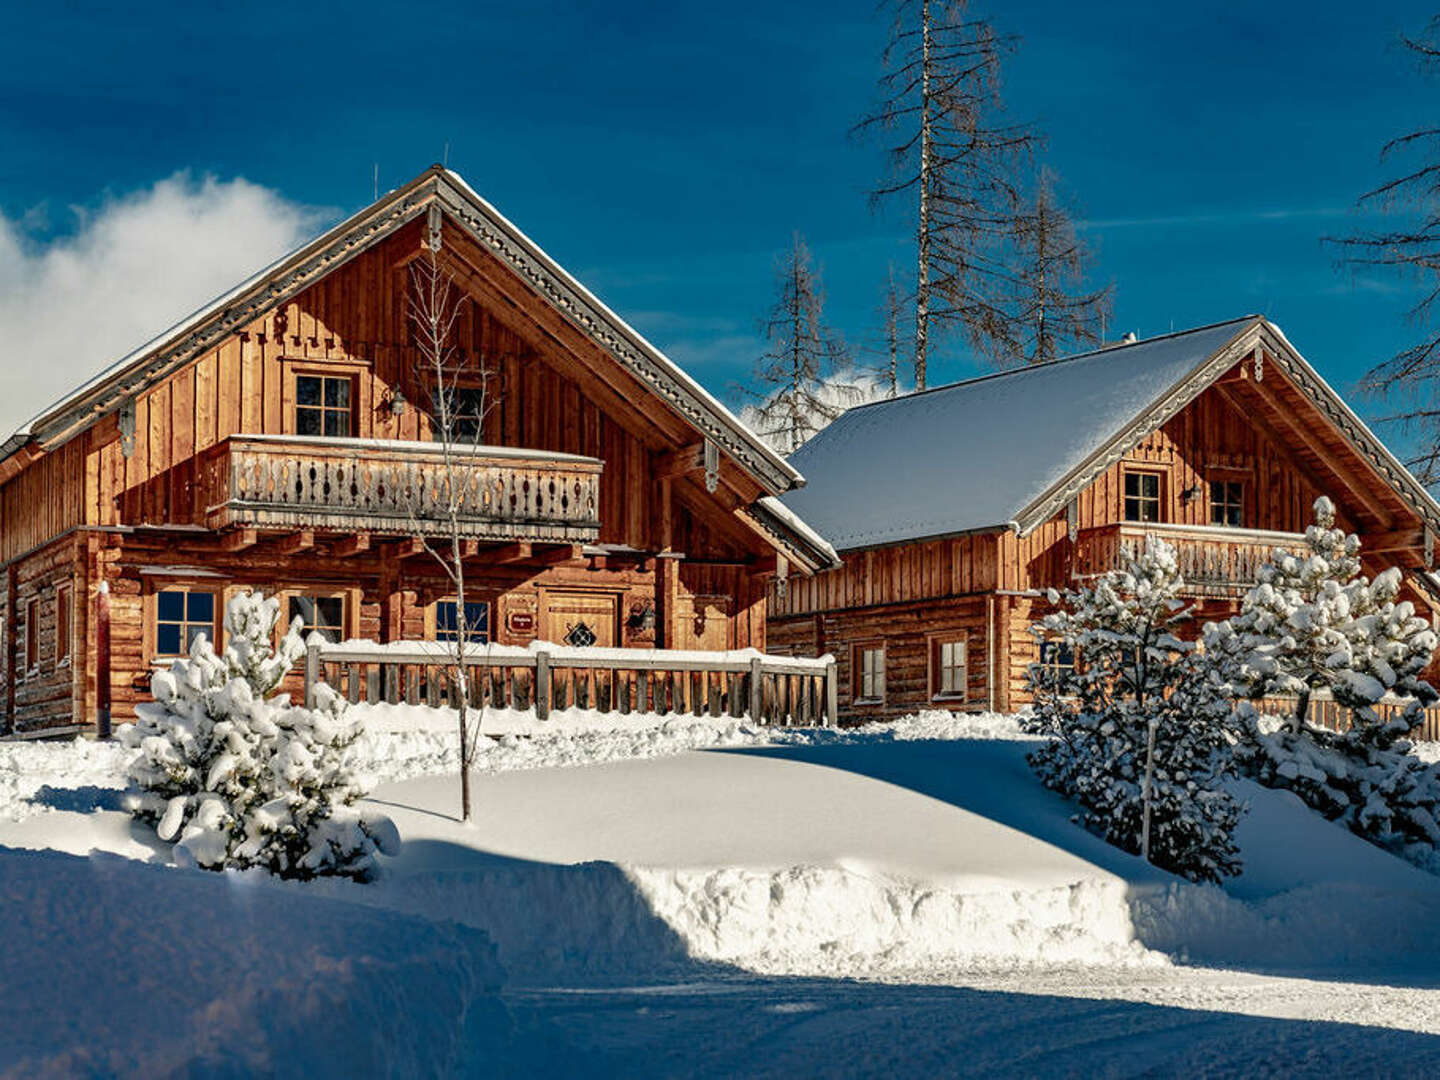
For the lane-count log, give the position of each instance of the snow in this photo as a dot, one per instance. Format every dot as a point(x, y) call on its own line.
point(680, 896)
point(888, 471)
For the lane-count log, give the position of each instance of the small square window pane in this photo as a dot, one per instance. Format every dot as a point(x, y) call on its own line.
point(308, 422)
point(445, 615)
point(167, 639)
point(304, 607)
point(307, 390)
point(193, 631)
point(170, 606)
point(200, 607)
point(331, 609)
point(337, 424)
point(337, 393)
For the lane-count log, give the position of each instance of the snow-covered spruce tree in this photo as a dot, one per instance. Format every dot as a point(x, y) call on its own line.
point(1315, 623)
point(1130, 699)
point(239, 778)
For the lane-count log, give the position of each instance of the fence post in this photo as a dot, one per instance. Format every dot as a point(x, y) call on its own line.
point(832, 695)
point(312, 672)
point(542, 685)
point(757, 692)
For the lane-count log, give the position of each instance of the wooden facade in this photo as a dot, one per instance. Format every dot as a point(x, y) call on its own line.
point(186, 472)
point(1235, 470)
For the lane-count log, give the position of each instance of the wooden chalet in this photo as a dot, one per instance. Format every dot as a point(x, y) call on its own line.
point(954, 509)
point(276, 440)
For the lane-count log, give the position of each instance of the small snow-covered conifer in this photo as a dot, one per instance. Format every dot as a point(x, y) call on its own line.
point(1314, 623)
point(1123, 695)
point(236, 777)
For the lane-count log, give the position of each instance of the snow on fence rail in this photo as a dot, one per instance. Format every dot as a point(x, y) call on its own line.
point(769, 689)
point(1326, 712)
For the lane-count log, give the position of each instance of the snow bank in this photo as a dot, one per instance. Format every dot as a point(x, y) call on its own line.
point(112, 967)
point(831, 921)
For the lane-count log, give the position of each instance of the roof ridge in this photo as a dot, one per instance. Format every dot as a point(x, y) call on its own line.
point(1104, 349)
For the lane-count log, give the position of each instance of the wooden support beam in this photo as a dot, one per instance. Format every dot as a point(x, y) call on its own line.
point(1394, 540)
point(353, 545)
point(679, 462)
point(560, 553)
point(511, 553)
point(296, 542)
point(239, 540)
point(469, 548)
point(407, 546)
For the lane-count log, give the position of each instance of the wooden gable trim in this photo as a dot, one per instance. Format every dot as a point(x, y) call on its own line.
point(1258, 334)
point(1145, 424)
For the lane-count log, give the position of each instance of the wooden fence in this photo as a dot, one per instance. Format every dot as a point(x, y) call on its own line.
point(767, 689)
point(1328, 713)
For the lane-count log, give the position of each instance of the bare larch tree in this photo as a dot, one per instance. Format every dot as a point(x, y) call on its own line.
point(892, 316)
point(457, 396)
point(956, 159)
point(802, 352)
point(1052, 311)
point(1411, 248)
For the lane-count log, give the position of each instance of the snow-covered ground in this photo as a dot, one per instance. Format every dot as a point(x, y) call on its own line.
point(673, 896)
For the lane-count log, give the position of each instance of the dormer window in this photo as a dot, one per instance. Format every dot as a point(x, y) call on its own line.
point(1142, 496)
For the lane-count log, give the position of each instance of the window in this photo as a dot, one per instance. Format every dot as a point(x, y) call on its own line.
point(1142, 496)
point(477, 621)
point(182, 615)
point(947, 668)
point(62, 625)
point(322, 405)
point(324, 615)
point(467, 413)
point(1058, 656)
point(869, 673)
point(32, 635)
point(1227, 503)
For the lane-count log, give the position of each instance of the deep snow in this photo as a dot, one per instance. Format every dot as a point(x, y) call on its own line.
point(723, 876)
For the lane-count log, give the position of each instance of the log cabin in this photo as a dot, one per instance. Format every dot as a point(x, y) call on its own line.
point(276, 439)
point(955, 509)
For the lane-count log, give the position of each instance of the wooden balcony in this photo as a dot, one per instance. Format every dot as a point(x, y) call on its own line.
point(1215, 561)
point(399, 488)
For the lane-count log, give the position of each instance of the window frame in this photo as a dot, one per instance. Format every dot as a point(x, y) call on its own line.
point(64, 623)
point(347, 607)
point(351, 412)
point(32, 636)
point(934, 650)
point(1052, 664)
point(1236, 487)
point(434, 632)
point(478, 439)
point(216, 592)
point(858, 652)
point(1159, 499)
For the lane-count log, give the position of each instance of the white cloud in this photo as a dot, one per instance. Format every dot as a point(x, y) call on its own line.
point(132, 267)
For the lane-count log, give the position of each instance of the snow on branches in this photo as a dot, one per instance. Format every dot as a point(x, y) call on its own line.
point(237, 778)
point(1128, 707)
point(1314, 623)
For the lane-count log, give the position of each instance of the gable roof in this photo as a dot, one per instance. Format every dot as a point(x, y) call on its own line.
point(1009, 450)
point(291, 275)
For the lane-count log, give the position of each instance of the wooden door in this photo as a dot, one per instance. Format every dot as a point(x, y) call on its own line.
point(580, 618)
point(702, 622)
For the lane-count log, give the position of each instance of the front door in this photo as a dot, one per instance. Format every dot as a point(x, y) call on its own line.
point(579, 619)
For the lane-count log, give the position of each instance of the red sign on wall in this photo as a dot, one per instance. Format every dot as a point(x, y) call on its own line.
point(521, 622)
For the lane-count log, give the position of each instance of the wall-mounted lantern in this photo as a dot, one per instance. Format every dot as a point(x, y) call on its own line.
point(642, 616)
point(397, 402)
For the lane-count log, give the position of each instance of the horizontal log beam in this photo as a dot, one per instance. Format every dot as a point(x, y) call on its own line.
point(296, 542)
point(353, 545)
point(239, 540)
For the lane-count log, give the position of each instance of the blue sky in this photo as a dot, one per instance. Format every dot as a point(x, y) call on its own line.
point(665, 152)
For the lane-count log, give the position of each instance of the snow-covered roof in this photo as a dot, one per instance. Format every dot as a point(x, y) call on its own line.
point(977, 455)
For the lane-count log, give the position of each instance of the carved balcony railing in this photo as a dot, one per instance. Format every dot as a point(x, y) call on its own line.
point(1214, 561)
point(281, 481)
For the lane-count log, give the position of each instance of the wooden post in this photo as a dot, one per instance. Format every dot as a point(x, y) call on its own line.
point(312, 673)
point(102, 661)
point(542, 685)
point(757, 692)
point(832, 695)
